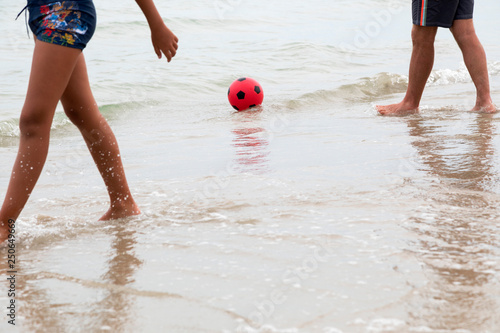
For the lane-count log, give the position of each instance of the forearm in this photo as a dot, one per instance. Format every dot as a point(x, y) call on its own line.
point(150, 12)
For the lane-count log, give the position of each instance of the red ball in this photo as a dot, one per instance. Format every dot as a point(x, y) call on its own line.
point(245, 93)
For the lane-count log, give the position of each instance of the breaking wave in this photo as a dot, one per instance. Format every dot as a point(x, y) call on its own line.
point(368, 89)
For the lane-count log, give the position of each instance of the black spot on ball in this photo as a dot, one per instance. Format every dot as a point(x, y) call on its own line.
point(257, 89)
point(241, 79)
point(253, 105)
point(228, 91)
point(235, 107)
point(240, 95)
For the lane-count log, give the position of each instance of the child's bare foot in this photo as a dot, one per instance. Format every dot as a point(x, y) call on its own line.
point(400, 109)
point(486, 108)
point(120, 210)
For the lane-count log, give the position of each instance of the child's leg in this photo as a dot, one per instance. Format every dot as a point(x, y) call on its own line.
point(50, 72)
point(475, 60)
point(81, 108)
point(422, 60)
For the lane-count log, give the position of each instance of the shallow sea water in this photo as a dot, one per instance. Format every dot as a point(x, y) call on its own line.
point(308, 214)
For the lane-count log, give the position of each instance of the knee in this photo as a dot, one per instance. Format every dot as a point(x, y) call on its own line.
point(80, 115)
point(423, 36)
point(463, 30)
point(74, 115)
point(89, 121)
point(35, 123)
point(465, 38)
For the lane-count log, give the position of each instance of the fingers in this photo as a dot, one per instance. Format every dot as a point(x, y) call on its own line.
point(171, 51)
point(158, 52)
point(167, 54)
point(174, 47)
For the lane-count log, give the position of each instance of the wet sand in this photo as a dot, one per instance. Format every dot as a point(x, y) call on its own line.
point(302, 220)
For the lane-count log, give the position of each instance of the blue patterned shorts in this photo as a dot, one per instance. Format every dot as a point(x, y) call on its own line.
point(66, 23)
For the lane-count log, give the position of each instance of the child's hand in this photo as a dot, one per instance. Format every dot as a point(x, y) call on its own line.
point(164, 41)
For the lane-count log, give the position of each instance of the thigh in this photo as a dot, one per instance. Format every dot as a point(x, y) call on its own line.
point(51, 70)
point(79, 103)
point(78, 94)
